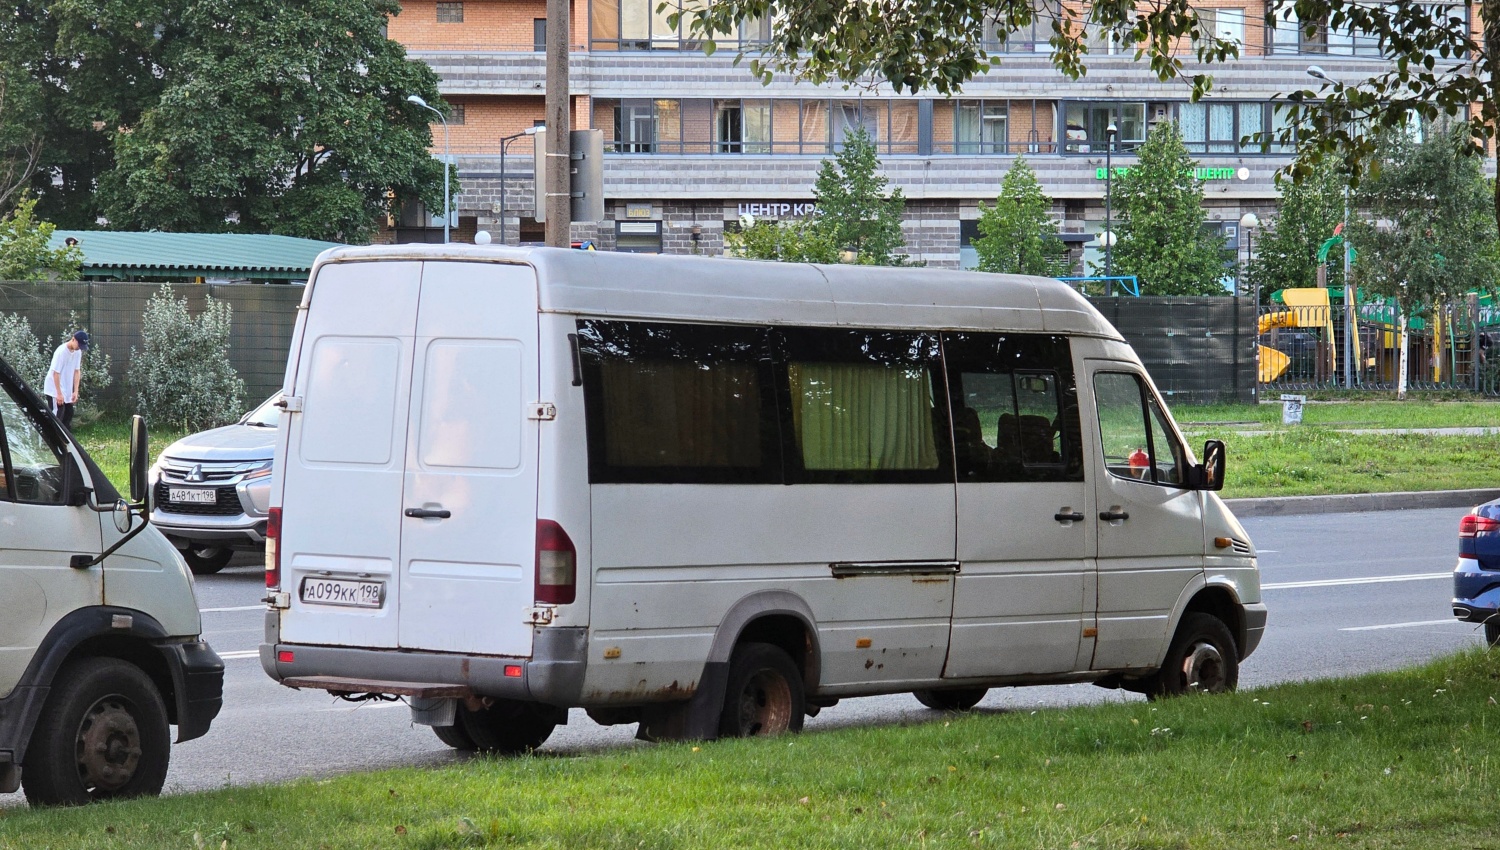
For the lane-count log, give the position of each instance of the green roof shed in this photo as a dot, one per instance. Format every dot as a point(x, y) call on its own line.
point(117, 255)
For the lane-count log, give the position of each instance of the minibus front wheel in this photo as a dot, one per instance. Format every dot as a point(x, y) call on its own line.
point(1203, 658)
point(764, 696)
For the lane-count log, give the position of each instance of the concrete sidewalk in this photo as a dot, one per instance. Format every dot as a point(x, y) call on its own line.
point(1293, 505)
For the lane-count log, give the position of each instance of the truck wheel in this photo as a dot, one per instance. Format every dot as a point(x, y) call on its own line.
point(205, 560)
point(955, 699)
point(1203, 658)
point(505, 728)
point(102, 735)
point(764, 695)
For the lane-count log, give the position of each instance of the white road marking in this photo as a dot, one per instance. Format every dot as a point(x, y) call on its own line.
point(1267, 551)
point(235, 608)
point(1337, 582)
point(1399, 625)
point(241, 653)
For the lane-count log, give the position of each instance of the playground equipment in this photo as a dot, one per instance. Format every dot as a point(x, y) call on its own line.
point(1303, 308)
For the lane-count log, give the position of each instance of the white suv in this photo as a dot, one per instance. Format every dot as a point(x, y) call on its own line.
point(211, 489)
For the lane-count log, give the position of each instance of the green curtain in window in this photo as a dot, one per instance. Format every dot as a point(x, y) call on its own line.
point(862, 416)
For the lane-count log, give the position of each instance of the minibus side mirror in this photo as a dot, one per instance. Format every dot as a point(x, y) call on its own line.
point(1209, 475)
point(140, 458)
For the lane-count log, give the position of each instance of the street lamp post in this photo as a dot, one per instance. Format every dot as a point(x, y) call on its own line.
point(447, 215)
point(1109, 173)
point(504, 143)
point(1318, 73)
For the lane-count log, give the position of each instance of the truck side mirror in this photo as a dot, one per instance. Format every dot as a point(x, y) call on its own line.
point(140, 458)
point(1211, 471)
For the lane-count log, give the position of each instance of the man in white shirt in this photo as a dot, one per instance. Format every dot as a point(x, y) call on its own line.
point(64, 377)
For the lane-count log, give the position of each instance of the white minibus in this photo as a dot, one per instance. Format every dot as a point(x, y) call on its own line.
point(713, 496)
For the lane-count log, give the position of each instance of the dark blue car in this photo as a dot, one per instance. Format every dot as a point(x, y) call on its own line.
point(1476, 579)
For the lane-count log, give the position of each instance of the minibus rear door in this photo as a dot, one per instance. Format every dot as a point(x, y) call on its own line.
point(469, 531)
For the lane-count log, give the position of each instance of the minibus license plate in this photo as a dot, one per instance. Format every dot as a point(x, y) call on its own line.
point(333, 591)
point(194, 495)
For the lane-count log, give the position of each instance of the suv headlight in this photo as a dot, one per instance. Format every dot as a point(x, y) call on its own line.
point(258, 472)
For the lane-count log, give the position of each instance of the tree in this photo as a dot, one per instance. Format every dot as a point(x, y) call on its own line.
point(1441, 65)
point(1287, 253)
point(282, 117)
point(20, 138)
point(1430, 236)
point(24, 250)
point(1018, 235)
point(258, 116)
point(854, 216)
point(1160, 231)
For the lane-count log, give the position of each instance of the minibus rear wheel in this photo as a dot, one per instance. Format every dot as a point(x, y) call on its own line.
point(764, 696)
point(102, 735)
point(951, 699)
point(507, 728)
point(1203, 658)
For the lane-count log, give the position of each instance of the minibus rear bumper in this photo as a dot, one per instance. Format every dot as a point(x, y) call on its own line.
point(552, 675)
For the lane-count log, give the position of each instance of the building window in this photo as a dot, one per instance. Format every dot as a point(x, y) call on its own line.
point(743, 126)
point(455, 113)
point(1222, 127)
point(848, 115)
point(539, 34)
point(1228, 24)
point(983, 127)
point(968, 234)
point(450, 13)
point(635, 126)
point(1087, 124)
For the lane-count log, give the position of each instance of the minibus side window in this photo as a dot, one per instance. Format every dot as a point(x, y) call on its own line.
point(32, 465)
point(863, 406)
point(1015, 407)
point(1133, 432)
point(669, 403)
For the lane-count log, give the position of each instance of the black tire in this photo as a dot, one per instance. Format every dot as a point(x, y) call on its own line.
point(102, 735)
point(951, 699)
point(206, 559)
point(764, 695)
point(455, 737)
point(1203, 658)
point(505, 728)
point(1492, 634)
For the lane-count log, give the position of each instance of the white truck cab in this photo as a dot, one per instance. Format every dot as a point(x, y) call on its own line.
point(100, 640)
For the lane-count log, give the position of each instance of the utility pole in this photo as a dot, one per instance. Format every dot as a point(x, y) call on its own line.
point(559, 125)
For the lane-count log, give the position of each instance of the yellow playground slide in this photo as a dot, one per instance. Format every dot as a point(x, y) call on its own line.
point(1301, 311)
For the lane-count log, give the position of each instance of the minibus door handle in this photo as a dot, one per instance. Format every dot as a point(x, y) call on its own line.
point(1113, 515)
point(1069, 516)
point(428, 513)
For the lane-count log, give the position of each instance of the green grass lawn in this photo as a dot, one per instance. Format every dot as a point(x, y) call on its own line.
point(1419, 411)
point(1403, 759)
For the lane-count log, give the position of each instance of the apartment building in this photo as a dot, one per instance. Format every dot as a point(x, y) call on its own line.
point(695, 143)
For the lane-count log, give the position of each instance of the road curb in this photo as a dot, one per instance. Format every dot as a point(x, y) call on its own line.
point(1355, 502)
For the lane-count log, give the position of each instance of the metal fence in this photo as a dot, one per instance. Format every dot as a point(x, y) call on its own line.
point(261, 330)
point(1304, 348)
point(1198, 350)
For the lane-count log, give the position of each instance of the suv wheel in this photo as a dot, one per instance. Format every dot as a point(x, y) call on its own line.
point(206, 559)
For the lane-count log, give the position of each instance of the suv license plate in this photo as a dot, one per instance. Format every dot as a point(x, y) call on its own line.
point(192, 495)
point(352, 594)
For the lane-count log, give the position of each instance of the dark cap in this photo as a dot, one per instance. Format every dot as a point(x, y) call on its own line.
point(83, 340)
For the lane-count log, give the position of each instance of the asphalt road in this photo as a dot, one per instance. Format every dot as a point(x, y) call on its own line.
point(1348, 593)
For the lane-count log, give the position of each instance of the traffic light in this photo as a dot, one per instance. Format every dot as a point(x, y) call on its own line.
point(585, 175)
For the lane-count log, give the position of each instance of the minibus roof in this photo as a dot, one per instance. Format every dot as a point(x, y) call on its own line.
point(717, 289)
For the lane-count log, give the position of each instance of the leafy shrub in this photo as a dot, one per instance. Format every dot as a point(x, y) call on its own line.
point(22, 350)
point(182, 376)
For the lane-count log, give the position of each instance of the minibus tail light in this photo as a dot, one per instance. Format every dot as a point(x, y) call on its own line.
point(1473, 526)
point(556, 564)
point(273, 550)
